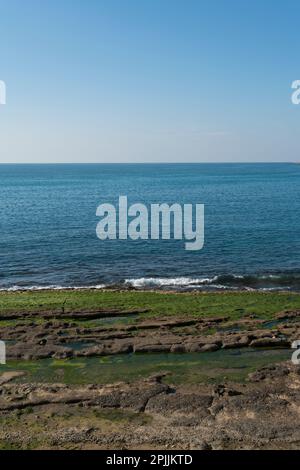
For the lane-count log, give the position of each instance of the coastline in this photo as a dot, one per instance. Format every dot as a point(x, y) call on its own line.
point(264, 282)
point(97, 367)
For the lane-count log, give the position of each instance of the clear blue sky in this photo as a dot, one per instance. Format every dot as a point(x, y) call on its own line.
point(149, 80)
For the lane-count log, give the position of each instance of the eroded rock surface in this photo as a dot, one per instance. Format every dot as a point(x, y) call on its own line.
point(56, 338)
point(260, 414)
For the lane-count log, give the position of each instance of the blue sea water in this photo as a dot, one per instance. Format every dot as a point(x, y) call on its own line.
point(48, 226)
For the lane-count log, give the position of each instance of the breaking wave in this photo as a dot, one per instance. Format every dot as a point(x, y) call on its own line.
point(227, 282)
point(263, 282)
point(50, 287)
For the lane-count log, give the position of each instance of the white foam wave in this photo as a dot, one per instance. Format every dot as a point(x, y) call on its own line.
point(169, 282)
point(220, 282)
point(50, 287)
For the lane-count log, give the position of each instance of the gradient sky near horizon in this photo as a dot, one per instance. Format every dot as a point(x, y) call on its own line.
point(149, 80)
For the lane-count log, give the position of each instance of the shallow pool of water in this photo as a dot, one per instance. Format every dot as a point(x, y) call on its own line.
point(182, 368)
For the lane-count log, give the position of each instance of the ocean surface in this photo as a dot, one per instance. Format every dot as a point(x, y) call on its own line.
point(48, 226)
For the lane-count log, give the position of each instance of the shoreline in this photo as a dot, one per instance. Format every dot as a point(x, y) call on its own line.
point(155, 302)
point(92, 369)
point(240, 290)
point(260, 282)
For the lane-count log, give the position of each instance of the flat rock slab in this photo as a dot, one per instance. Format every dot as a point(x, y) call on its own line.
point(261, 414)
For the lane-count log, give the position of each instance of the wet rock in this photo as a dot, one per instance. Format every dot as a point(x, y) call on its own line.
point(151, 348)
point(236, 342)
point(178, 348)
point(90, 352)
point(267, 342)
point(194, 347)
point(210, 347)
point(9, 376)
point(30, 351)
point(270, 372)
point(179, 335)
point(288, 314)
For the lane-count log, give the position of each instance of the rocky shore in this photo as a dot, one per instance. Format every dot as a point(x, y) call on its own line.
point(261, 414)
point(56, 338)
point(62, 409)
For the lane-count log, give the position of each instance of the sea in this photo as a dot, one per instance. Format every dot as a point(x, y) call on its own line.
point(48, 227)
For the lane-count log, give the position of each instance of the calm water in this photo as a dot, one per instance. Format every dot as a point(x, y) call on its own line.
point(188, 368)
point(48, 226)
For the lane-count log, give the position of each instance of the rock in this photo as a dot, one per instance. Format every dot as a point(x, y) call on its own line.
point(185, 403)
point(231, 344)
point(270, 372)
point(201, 445)
point(178, 348)
point(270, 342)
point(223, 390)
point(255, 415)
point(153, 348)
point(9, 376)
point(236, 341)
point(210, 347)
point(194, 347)
point(288, 314)
point(89, 352)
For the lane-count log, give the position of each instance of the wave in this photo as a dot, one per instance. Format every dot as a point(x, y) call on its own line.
point(166, 282)
point(50, 287)
point(262, 282)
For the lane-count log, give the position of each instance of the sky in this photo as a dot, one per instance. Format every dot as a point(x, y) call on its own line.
point(149, 81)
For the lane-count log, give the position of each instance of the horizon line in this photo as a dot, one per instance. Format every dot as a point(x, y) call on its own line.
point(154, 163)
